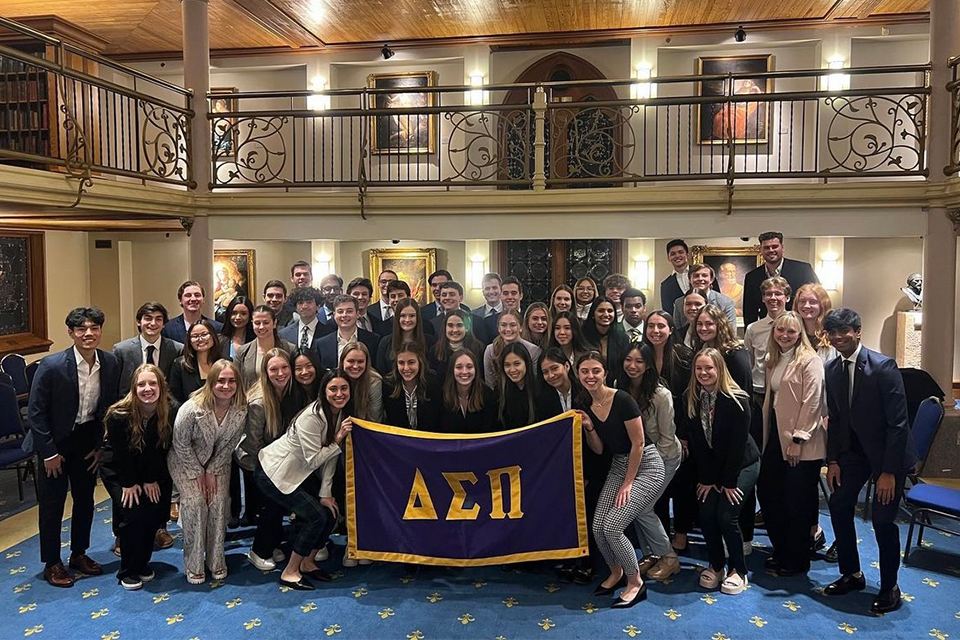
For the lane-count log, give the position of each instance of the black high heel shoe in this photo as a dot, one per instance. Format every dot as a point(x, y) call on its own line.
point(605, 591)
point(620, 603)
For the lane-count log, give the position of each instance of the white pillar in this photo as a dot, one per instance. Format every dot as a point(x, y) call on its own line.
point(940, 241)
point(196, 76)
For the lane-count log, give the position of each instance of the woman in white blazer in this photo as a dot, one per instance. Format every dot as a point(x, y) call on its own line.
point(794, 444)
point(286, 474)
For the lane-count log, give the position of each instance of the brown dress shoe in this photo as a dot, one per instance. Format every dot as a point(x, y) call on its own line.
point(86, 565)
point(162, 540)
point(57, 576)
point(174, 511)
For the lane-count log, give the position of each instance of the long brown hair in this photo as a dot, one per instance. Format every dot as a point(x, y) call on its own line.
point(422, 380)
point(360, 389)
point(499, 343)
point(726, 340)
point(725, 382)
point(129, 408)
point(265, 390)
point(204, 395)
point(396, 338)
point(451, 399)
point(442, 351)
point(525, 332)
point(190, 352)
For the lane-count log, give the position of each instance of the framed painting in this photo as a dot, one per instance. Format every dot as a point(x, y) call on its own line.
point(731, 265)
point(747, 121)
point(23, 298)
point(223, 129)
point(406, 133)
point(413, 266)
point(234, 274)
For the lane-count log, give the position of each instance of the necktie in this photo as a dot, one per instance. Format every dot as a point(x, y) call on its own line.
point(303, 338)
point(364, 323)
point(150, 351)
point(634, 335)
point(387, 313)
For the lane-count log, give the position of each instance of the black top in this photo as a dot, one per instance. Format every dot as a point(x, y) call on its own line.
point(613, 430)
point(738, 363)
point(618, 343)
point(733, 447)
point(548, 400)
point(137, 467)
point(184, 382)
point(483, 421)
point(384, 363)
point(516, 407)
point(428, 410)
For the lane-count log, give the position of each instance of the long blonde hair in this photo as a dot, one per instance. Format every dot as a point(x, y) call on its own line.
point(128, 408)
point(360, 389)
point(725, 383)
point(204, 395)
point(825, 305)
point(499, 343)
point(525, 332)
point(264, 390)
point(804, 348)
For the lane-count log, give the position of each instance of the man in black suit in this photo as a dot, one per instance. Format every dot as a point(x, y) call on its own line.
point(796, 272)
point(492, 305)
point(345, 315)
point(275, 297)
point(68, 400)
point(190, 296)
point(437, 278)
point(451, 297)
point(332, 288)
point(382, 311)
point(307, 331)
point(868, 438)
point(301, 275)
point(362, 290)
point(149, 347)
point(675, 285)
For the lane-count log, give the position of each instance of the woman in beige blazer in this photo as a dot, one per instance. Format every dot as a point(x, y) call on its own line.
point(249, 357)
point(794, 444)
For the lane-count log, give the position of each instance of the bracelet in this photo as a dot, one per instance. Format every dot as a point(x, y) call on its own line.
point(798, 440)
point(590, 430)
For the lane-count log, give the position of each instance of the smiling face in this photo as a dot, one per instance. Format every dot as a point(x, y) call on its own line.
point(464, 371)
point(345, 315)
point(147, 388)
point(845, 340)
point(491, 292)
point(362, 295)
point(304, 371)
point(807, 305)
point(200, 338)
point(278, 372)
point(562, 301)
point(634, 365)
point(514, 368)
point(307, 310)
point(586, 291)
point(226, 384)
point(302, 277)
point(614, 293)
point(337, 393)
point(151, 324)
point(775, 299)
point(455, 329)
point(604, 315)
point(274, 297)
point(772, 251)
point(407, 319)
point(592, 374)
point(511, 297)
point(450, 299)
point(509, 328)
point(408, 366)
point(706, 372)
point(706, 327)
point(263, 324)
point(395, 296)
point(691, 306)
point(383, 280)
point(435, 285)
point(657, 330)
point(556, 374)
point(537, 322)
point(192, 299)
point(678, 257)
point(563, 332)
point(701, 279)
point(355, 363)
point(240, 316)
point(786, 336)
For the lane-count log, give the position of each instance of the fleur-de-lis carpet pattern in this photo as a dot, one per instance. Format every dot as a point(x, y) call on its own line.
point(393, 601)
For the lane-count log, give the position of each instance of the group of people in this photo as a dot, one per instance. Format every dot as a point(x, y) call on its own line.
point(675, 409)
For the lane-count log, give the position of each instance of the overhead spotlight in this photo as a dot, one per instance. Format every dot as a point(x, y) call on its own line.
point(388, 53)
point(740, 35)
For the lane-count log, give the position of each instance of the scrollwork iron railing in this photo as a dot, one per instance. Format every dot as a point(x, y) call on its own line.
point(953, 87)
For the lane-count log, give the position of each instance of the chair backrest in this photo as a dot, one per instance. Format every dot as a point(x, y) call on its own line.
point(6, 380)
point(32, 371)
point(10, 424)
point(15, 366)
point(926, 425)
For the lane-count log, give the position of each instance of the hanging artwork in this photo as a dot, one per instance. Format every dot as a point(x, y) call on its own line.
point(413, 266)
point(407, 133)
point(23, 308)
point(746, 120)
point(233, 275)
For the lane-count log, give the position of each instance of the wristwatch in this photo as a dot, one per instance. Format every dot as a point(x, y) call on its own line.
point(798, 440)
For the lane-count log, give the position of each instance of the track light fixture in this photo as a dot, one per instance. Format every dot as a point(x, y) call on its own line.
point(740, 35)
point(387, 52)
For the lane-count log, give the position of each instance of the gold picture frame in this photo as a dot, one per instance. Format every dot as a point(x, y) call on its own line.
point(403, 133)
point(731, 265)
point(750, 120)
point(234, 274)
point(413, 266)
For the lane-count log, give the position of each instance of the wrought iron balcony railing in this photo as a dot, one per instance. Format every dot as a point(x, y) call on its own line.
point(954, 88)
point(66, 108)
point(812, 124)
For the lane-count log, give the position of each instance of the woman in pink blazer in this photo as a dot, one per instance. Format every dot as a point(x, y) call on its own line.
point(794, 444)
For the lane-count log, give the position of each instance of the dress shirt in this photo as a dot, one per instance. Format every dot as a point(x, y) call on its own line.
point(565, 398)
point(342, 342)
point(583, 310)
point(852, 371)
point(489, 311)
point(776, 272)
point(364, 323)
point(143, 350)
point(88, 381)
point(629, 330)
point(755, 340)
point(683, 278)
point(311, 331)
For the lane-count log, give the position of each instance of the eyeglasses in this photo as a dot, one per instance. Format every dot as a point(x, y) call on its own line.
point(200, 337)
point(332, 289)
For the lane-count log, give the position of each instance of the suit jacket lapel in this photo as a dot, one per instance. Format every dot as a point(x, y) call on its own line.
point(72, 373)
point(859, 371)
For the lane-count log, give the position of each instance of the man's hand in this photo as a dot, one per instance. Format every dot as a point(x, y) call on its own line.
point(886, 486)
point(95, 462)
point(833, 476)
point(53, 466)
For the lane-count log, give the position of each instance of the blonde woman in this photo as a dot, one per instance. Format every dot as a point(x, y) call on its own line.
point(208, 428)
point(509, 330)
point(536, 325)
point(794, 444)
point(812, 303)
point(366, 385)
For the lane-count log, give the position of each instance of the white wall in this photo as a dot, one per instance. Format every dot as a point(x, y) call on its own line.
point(355, 257)
point(68, 283)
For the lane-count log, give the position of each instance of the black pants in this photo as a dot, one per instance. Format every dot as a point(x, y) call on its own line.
point(111, 482)
point(719, 522)
point(854, 472)
point(314, 521)
point(269, 532)
point(749, 513)
point(137, 529)
point(683, 491)
point(53, 495)
point(790, 502)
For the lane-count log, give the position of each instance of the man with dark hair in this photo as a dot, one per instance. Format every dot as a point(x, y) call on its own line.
point(362, 289)
point(634, 304)
point(796, 272)
point(332, 288)
point(275, 297)
point(382, 311)
point(430, 311)
point(397, 290)
point(301, 275)
point(451, 297)
point(702, 277)
point(332, 345)
point(190, 296)
point(613, 287)
point(869, 437)
point(307, 330)
point(675, 285)
point(68, 400)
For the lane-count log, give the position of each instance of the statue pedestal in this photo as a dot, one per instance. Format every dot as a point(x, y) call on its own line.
point(909, 329)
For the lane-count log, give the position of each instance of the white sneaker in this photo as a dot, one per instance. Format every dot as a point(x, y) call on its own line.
point(709, 579)
point(734, 584)
point(322, 555)
point(349, 562)
point(278, 556)
point(364, 563)
point(747, 548)
point(264, 564)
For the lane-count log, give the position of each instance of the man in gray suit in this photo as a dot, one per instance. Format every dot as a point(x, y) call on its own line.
point(148, 347)
point(702, 277)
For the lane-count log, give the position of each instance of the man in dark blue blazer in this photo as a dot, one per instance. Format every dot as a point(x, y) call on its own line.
point(797, 273)
point(868, 438)
point(430, 311)
point(308, 329)
point(381, 310)
point(190, 296)
point(331, 345)
point(68, 400)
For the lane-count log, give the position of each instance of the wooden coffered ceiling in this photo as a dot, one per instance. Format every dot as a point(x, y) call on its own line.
point(141, 28)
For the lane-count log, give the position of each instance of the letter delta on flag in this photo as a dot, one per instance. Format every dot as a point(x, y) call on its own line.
point(466, 499)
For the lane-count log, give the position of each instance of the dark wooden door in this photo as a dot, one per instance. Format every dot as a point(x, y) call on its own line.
point(542, 265)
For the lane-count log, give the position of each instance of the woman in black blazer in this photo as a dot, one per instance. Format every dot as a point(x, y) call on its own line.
point(727, 464)
point(469, 406)
point(603, 333)
point(237, 327)
point(411, 396)
point(455, 337)
point(408, 326)
point(189, 371)
point(713, 329)
point(517, 387)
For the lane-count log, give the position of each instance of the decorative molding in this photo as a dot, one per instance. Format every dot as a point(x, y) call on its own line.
point(954, 216)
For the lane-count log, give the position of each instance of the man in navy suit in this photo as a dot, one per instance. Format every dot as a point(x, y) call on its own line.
point(345, 315)
point(797, 273)
point(362, 290)
point(190, 295)
point(68, 400)
point(451, 297)
point(382, 311)
point(868, 438)
point(431, 311)
point(331, 286)
point(307, 331)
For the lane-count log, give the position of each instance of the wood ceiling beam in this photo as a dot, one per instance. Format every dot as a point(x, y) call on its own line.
point(278, 22)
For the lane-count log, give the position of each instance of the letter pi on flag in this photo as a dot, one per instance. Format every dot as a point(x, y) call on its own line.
point(466, 499)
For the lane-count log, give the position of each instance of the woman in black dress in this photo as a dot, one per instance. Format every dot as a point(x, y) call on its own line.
point(517, 387)
point(469, 406)
point(602, 331)
point(411, 396)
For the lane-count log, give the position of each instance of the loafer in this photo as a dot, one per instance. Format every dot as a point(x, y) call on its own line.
point(582, 576)
point(647, 563)
point(771, 563)
point(605, 591)
point(665, 567)
point(832, 555)
point(620, 603)
point(264, 564)
point(57, 576)
point(174, 511)
point(844, 585)
point(86, 565)
point(819, 542)
point(300, 585)
point(566, 575)
point(131, 583)
point(162, 540)
point(318, 574)
point(886, 602)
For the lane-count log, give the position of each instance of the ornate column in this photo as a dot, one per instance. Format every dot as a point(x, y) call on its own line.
point(940, 239)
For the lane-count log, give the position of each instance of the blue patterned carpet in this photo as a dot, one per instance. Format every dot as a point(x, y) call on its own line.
point(390, 601)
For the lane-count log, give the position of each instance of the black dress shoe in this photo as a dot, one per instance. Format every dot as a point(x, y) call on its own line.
point(819, 542)
point(582, 576)
point(886, 602)
point(566, 574)
point(318, 574)
point(771, 563)
point(787, 572)
point(301, 585)
point(844, 585)
point(832, 555)
point(620, 603)
point(605, 591)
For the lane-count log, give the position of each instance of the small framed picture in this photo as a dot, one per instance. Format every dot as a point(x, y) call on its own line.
point(224, 129)
point(747, 121)
point(408, 133)
point(233, 275)
point(730, 264)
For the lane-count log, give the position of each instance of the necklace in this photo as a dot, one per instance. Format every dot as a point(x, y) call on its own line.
point(600, 403)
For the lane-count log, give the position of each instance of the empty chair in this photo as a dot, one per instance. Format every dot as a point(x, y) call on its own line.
point(15, 366)
point(12, 456)
point(923, 499)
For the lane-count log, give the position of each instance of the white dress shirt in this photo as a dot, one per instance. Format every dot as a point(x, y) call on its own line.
point(755, 340)
point(489, 311)
point(776, 272)
point(565, 398)
point(627, 327)
point(144, 343)
point(683, 278)
point(311, 331)
point(88, 381)
point(853, 371)
point(342, 342)
point(386, 311)
point(364, 323)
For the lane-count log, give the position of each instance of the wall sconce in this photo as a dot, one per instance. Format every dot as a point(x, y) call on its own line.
point(323, 265)
point(829, 271)
point(476, 96)
point(642, 90)
point(641, 273)
point(837, 81)
point(318, 102)
point(478, 267)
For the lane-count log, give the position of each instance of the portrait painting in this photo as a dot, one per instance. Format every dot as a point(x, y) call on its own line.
point(405, 133)
point(743, 119)
point(413, 266)
point(223, 129)
point(23, 314)
point(730, 264)
point(233, 275)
